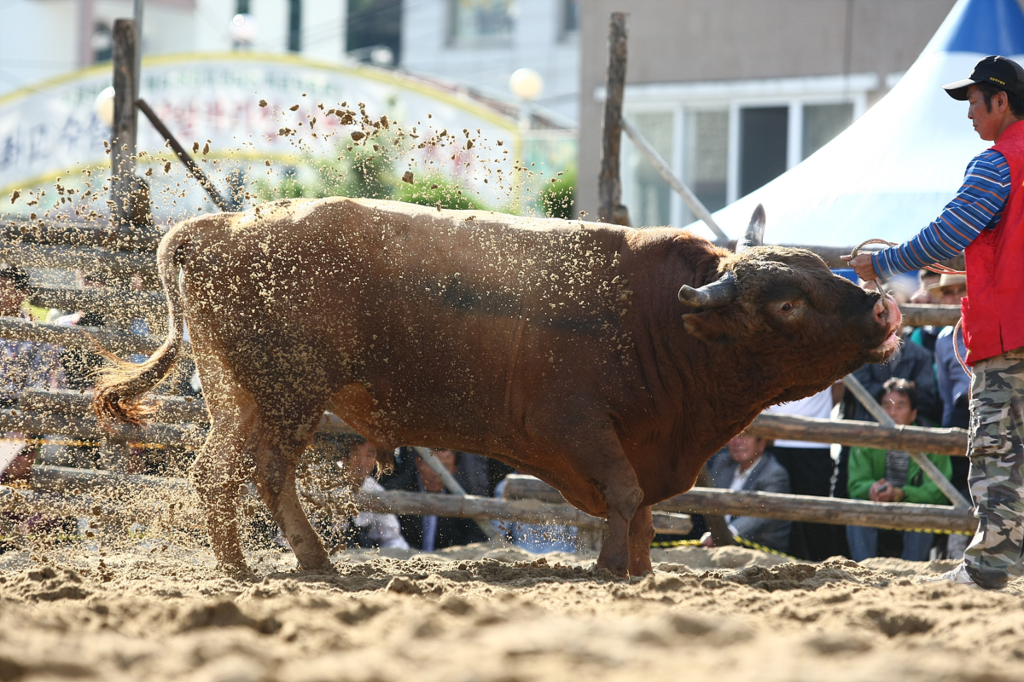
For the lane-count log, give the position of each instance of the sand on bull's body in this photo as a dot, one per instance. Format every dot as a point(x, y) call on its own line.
point(480, 613)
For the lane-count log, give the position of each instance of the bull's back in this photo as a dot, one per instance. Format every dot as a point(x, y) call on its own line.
point(438, 314)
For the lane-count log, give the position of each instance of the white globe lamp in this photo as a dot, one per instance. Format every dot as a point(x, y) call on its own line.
point(526, 84)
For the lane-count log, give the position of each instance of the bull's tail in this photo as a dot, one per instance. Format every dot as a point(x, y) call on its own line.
point(122, 385)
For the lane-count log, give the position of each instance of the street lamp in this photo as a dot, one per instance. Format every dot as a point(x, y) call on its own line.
point(104, 106)
point(243, 30)
point(527, 85)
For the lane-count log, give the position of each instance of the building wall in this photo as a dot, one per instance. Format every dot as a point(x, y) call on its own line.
point(323, 26)
point(537, 42)
point(28, 55)
point(679, 41)
point(41, 39)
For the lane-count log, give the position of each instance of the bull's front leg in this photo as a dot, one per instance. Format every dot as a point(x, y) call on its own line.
point(641, 534)
point(608, 470)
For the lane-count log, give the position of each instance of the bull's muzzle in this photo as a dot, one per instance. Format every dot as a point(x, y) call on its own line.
point(714, 295)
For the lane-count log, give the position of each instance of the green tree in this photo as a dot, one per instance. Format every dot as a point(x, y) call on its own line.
point(437, 190)
point(558, 195)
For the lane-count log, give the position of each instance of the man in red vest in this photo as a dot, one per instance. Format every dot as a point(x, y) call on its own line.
point(986, 221)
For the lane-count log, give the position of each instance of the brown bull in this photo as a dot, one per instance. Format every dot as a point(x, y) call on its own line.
point(567, 350)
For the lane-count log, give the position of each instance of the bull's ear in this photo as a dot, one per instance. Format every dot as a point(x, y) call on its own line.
point(714, 326)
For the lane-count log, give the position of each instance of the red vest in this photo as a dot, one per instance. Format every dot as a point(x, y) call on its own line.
point(994, 307)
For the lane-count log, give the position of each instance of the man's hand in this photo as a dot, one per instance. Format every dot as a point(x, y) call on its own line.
point(862, 265)
point(880, 491)
point(883, 491)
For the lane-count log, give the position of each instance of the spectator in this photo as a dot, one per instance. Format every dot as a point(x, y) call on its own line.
point(954, 384)
point(892, 476)
point(16, 460)
point(367, 529)
point(925, 336)
point(80, 364)
point(746, 466)
point(429, 533)
point(23, 364)
point(926, 280)
point(911, 362)
point(811, 469)
point(17, 457)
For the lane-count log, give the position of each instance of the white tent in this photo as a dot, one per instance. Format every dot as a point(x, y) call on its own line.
point(893, 170)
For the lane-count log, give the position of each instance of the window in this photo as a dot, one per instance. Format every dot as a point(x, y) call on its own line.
point(822, 122)
point(482, 22)
point(644, 191)
point(102, 43)
point(294, 25)
point(706, 158)
point(763, 146)
point(570, 17)
point(727, 139)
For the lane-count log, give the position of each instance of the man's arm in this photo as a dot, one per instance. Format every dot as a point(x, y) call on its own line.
point(977, 205)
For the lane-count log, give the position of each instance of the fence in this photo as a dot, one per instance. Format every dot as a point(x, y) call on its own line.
point(178, 422)
point(182, 423)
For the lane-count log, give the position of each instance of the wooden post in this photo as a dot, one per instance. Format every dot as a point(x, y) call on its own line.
point(128, 192)
point(609, 183)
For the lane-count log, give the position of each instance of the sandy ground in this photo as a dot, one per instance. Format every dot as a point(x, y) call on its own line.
point(158, 612)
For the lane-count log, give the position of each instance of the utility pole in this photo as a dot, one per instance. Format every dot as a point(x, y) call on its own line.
point(609, 183)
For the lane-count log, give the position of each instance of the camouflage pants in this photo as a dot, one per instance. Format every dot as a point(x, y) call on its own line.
point(997, 469)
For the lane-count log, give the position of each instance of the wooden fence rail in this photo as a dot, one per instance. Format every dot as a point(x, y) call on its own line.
point(862, 434)
point(104, 301)
point(58, 424)
point(68, 483)
point(90, 259)
point(898, 516)
point(168, 409)
point(74, 234)
point(79, 337)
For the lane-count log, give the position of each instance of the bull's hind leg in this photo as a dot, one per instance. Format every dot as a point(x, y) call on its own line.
point(217, 474)
point(641, 533)
point(222, 463)
point(274, 474)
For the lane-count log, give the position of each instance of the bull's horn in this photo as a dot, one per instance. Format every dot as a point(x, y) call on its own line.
point(755, 231)
point(715, 295)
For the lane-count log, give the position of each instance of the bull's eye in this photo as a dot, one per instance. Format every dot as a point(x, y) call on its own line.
point(787, 307)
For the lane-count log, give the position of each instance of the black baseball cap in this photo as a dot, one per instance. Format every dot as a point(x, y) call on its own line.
point(1001, 72)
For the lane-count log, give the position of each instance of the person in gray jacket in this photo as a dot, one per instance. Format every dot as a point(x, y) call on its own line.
point(744, 465)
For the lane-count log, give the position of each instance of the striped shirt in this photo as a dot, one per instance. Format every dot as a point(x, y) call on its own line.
point(977, 206)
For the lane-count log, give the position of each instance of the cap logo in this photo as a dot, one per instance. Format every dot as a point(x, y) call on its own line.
point(996, 80)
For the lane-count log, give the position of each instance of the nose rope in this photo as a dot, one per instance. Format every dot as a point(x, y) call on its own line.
point(938, 269)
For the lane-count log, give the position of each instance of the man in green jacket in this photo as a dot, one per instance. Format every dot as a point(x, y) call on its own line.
point(892, 476)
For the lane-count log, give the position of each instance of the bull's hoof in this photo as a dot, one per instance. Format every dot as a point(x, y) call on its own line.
point(639, 568)
point(240, 572)
point(614, 571)
point(318, 567)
